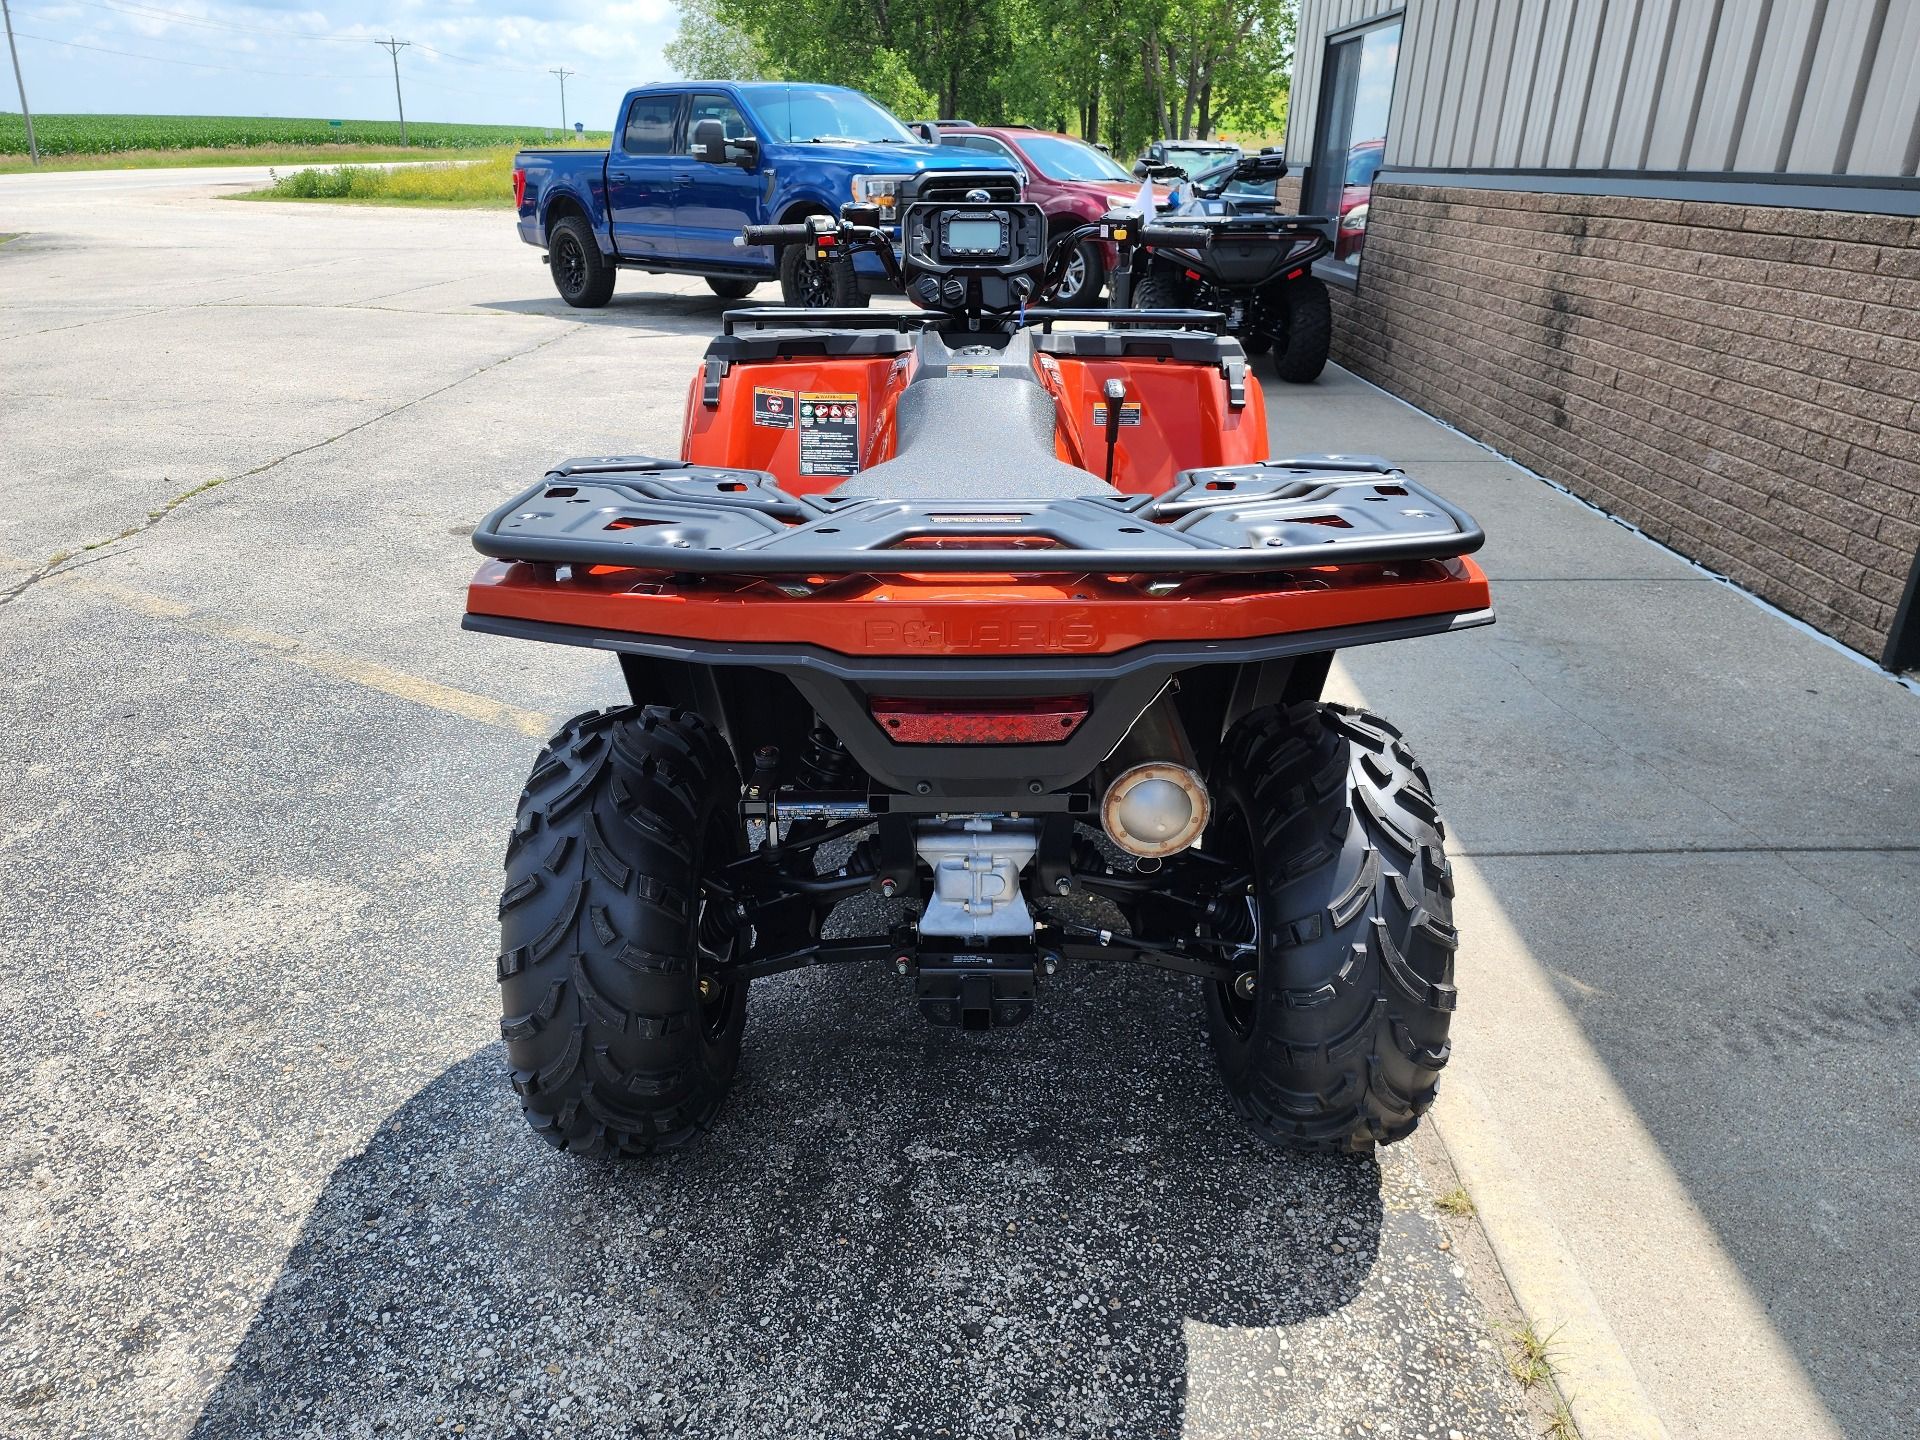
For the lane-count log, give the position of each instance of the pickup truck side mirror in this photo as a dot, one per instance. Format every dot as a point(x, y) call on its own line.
point(711, 146)
point(1140, 168)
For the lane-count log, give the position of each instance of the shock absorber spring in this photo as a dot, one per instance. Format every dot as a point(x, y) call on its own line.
point(823, 762)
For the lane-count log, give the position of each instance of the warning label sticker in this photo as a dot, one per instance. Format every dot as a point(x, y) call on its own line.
point(829, 434)
point(773, 408)
point(973, 372)
point(1129, 414)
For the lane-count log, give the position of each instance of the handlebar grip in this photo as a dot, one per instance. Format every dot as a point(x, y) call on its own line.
point(1173, 235)
point(772, 234)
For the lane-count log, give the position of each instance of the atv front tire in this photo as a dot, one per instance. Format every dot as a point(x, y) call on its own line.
point(580, 272)
point(620, 1039)
point(731, 289)
point(1340, 1041)
point(1301, 353)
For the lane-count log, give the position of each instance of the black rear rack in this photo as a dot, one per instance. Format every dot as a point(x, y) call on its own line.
point(639, 512)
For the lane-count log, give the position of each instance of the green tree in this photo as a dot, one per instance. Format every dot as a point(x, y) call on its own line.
point(708, 47)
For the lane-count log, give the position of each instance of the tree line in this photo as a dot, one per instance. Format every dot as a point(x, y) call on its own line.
point(1124, 74)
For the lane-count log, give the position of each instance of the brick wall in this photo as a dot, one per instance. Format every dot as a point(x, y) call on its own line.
point(1741, 382)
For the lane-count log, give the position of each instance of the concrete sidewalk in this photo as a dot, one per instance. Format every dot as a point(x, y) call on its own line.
point(1690, 836)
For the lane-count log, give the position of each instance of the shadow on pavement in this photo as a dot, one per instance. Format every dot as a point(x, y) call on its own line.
point(892, 1230)
point(668, 310)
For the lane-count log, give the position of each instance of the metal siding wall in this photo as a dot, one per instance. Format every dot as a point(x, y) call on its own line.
point(1619, 33)
point(1409, 82)
point(1499, 75)
point(1537, 125)
point(1677, 105)
point(1888, 141)
point(1517, 95)
point(1576, 77)
point(1766, 86)
point(1732, 81)
point(1837, 82)
point(1643, 83)
point(1477, 35)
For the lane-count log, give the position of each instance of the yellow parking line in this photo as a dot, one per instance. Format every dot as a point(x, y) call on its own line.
point(355, 670)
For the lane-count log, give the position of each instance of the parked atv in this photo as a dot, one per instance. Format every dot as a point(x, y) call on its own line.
point(1001, 619)
point(1257, 268)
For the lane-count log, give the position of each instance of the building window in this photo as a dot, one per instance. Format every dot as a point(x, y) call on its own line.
point(1356, 96)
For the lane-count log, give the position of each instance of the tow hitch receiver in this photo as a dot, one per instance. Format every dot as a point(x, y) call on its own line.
point(976, 989)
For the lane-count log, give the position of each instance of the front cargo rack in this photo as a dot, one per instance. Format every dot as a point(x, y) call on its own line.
point(643, 513)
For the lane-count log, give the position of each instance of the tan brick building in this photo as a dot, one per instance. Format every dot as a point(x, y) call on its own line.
point(1664, 252)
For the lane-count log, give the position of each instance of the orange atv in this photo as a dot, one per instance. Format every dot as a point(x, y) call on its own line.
point(1000, 620)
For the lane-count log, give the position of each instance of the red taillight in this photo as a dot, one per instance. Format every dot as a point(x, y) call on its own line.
point(1028, 721)
point(519, 188)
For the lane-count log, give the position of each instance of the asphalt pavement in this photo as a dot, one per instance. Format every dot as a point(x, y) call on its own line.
point(259, 1172)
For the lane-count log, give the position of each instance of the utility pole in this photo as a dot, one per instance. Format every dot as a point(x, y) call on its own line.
point(563, 73)
point(394, 47)
point(27, 115)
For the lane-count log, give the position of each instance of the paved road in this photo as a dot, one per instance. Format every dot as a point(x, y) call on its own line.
point(258, 1173)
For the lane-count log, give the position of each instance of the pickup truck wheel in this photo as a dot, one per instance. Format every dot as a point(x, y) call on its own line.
point(1334, 1036)
point(732, 289)
point(818, 284)
point(1086, 273)
point(580, 272)
point(622, 1027)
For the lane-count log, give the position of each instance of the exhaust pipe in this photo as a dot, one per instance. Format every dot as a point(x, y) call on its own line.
point(1155, 802)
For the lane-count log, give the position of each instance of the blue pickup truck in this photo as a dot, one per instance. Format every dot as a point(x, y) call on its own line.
point(694, 162)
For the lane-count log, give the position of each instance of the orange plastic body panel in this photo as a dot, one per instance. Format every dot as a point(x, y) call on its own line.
point(977, 616)
point(1185, 422)
point(730, 434)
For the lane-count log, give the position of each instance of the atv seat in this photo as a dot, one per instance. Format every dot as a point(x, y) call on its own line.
point(974, 440)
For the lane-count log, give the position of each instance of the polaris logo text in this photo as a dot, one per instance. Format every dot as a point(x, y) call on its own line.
point(1026, 636)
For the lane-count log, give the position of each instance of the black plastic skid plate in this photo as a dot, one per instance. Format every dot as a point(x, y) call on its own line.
point(1278, 515)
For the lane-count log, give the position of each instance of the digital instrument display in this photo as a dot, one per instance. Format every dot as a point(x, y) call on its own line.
point(977, 236)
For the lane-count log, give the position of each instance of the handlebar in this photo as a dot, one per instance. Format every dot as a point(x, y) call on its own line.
point(1173, 235)
point(772, 234)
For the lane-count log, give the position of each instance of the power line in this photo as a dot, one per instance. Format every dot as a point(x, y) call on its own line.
point(563, 73)
point(33, 146)
point(394, 47)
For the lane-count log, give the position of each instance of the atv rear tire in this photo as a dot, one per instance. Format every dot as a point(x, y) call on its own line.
point(1158, 290)
point(617, 1042)
point(1341, 1041)
point(580, 272)
point(731, 289)
point(818, 284)
point(1301, 353)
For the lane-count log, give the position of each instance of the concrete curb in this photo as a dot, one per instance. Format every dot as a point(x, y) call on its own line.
point(1596, 1379)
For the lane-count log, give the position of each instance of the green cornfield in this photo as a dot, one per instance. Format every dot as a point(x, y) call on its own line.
point(109, 134)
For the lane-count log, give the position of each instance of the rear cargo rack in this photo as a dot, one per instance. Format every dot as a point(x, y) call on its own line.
point(643, 513)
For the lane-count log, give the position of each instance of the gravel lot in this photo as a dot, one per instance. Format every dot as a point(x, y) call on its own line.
point(258, 1170)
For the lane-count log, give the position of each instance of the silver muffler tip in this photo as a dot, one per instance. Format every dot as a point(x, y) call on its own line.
point(1155, 809)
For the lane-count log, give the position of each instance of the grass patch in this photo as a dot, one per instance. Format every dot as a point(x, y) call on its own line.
point(1530, 1355)
point(1455, 1202)
point(1560, 1424)
point(118, 136)
point(486, 181)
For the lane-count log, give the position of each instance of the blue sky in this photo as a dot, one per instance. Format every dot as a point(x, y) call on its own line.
point(473, 60)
